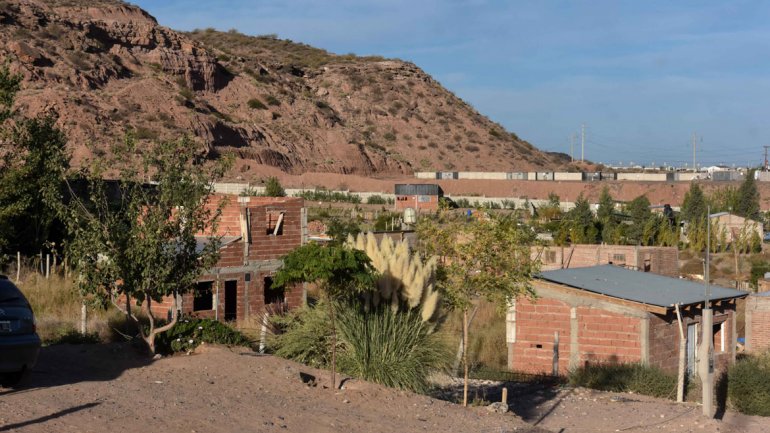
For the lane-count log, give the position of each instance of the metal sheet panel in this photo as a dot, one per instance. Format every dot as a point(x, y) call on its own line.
point(637, 286)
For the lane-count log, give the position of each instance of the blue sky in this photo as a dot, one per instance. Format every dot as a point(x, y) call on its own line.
point(641, 75)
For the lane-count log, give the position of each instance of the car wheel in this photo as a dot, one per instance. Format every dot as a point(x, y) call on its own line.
point(9, 380)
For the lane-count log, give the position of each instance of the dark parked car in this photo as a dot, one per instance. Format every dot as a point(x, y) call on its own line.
point(19, 343)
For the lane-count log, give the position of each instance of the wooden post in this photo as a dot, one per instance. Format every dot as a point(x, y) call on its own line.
point(47, 266)
point(18, 266)
point(682, 357)
point(83, 318)
point(556, 353)
point(465, 357)
point(505, 395)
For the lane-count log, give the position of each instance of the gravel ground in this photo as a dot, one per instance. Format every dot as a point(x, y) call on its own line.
point(96, 388)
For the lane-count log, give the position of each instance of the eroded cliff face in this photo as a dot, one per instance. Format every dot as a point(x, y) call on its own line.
point(106, 67)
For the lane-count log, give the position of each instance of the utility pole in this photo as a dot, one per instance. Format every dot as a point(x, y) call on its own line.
point(706, 350)
point(766, 166)
point(694, 140)
point(582, 142)
point(572, 147)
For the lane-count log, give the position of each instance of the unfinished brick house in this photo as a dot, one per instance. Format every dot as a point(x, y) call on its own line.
point(758, 321)
point(658, 260)
point(256, 232)
point(609, 314)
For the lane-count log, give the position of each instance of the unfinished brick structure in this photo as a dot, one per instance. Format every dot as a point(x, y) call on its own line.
point(256, 232)
point(758, 322)
point(658, 260)
point(608, 314)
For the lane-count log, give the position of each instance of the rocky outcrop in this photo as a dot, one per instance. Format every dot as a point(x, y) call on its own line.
point(106, 67)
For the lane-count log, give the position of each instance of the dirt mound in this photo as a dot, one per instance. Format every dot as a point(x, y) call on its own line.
point(98, 387)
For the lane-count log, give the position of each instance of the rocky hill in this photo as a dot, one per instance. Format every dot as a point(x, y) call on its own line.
point(105, 67)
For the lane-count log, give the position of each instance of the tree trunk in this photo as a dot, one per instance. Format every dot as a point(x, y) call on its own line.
point(465, 357)
point(149, 338)
point(334, 346)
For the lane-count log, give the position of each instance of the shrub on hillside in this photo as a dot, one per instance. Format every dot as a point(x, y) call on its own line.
point(256, 104)
point(748, 386)
point(637, 378)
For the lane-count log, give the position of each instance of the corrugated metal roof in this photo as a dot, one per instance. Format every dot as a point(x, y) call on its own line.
point(418, 189)
point(637, 286)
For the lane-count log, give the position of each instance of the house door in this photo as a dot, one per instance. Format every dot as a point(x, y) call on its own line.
point(231, 300)
point(692, 347)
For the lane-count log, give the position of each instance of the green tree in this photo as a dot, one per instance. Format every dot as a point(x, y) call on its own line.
point(273, 187)
point(747, 203)
point(606, 208)
point(341, 273)
point(142, 241)
point(483, 258)
point(32, 167)
point(638, 210)
point(579, 223)
point(694, 205)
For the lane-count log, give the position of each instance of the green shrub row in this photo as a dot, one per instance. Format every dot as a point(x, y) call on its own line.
point(637, 378)
point(333, 196)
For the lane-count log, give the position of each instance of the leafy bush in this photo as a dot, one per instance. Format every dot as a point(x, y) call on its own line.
point(394, 349)
point(189, 333)
point(305, 336)
point(637, 378)
point(377, 199)
point(256, 104)
point(749, 385)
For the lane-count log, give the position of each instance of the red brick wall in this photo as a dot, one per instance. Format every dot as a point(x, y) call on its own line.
point(757, 323)
point(411, 201)
point(604, 336)
point(536, 323)
point(266, 246)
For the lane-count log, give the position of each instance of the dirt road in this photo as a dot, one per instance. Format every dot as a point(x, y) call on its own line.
point(98, 388)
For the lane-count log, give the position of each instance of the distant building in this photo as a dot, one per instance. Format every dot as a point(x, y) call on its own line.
point(735, 226)
point(420, 196)
point(658, 260)
point(610, 315)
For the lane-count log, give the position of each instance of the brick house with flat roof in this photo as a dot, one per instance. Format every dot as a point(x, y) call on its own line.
point(609, 314)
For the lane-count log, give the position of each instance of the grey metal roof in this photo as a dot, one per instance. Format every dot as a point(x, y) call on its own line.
point(637, 286)
point(418, 189)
